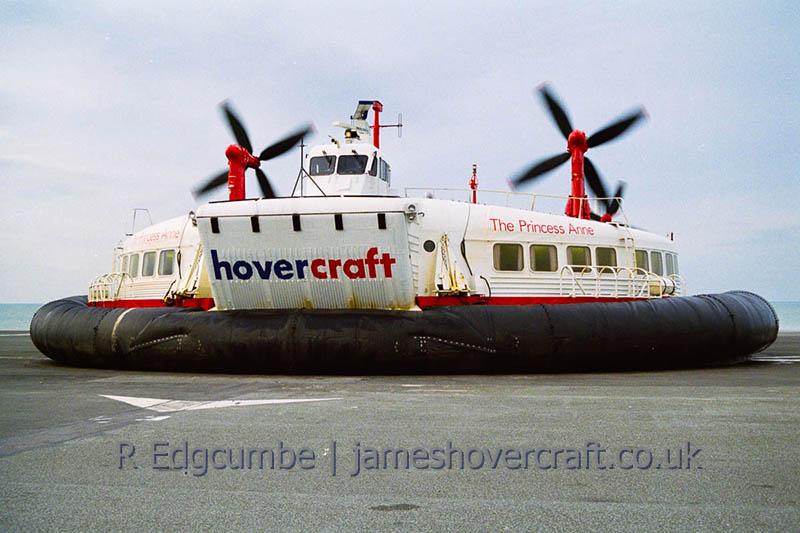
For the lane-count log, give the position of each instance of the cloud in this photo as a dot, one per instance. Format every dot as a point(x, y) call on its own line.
point(109, 106)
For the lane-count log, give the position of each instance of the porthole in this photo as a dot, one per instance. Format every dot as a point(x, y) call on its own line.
point(429, 246)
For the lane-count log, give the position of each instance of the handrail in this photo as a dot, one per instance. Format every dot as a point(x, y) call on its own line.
point(493, 191)
point(575, 281)
point(106, 287)
point(612, 270)
point(508, 195)
point(626, 282)
point(680, 282)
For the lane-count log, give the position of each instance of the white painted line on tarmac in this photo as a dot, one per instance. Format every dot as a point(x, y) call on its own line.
point(678, 398)
point(171, 406)
point(439, 390)
point(776, 359)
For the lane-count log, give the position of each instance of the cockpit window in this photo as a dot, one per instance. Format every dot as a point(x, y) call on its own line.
point(322, 165)
point(385, 172)
point(352, 164)
point(373, 171)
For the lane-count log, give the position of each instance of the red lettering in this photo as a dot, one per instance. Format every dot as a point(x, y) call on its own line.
point(502, 226)
point(316, 265)
point(387, 261)
point(333, 264)
point(359, 272)
point(581, 230)
point(371, 261)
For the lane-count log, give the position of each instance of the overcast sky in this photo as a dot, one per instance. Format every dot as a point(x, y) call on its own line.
point(109, 106)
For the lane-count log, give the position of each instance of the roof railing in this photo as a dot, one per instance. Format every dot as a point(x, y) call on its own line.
point(506, 198)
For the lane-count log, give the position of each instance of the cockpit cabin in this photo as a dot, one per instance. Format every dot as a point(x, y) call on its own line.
point(354, 166)
point(351, 169)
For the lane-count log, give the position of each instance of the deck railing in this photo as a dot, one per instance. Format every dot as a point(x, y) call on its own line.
point(109, 287)
point(617, 282)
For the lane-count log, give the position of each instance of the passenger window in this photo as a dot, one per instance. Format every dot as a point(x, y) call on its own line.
point(165, 262)
point(577, 256)
point(675, 264)
point(670, 264)
point(149, 264)
point(508, 257)
point(543, 258)
point(373, 171)
point(641, 260)
point(606, 257)
point(134, 266)
point(124, 267)
point(658, 265)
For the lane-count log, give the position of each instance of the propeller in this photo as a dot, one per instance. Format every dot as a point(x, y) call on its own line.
point(242, 139)
point(611, 203)
point(270, 152)
point(612, 131)
point(556, 110)
point(604, 135)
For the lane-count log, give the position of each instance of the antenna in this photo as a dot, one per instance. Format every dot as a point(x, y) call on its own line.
point(133, 222)
point(399, 125)
point(302, 173)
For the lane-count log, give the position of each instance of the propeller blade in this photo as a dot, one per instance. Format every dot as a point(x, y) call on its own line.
point(611, 132)
point(236, 126)
point(542, 167)
point(613, 206)
point(556, 111)
point(263, 182)
point(285, 144)
point(213, 183)
point(594, 181)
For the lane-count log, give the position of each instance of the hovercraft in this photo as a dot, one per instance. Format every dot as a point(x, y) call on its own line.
point(348, 276)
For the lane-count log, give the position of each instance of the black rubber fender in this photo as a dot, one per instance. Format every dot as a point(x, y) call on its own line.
point(684, 332)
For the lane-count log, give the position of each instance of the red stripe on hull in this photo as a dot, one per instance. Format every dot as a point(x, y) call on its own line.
point(423, 301)
point(204, 303)
point(435, 301)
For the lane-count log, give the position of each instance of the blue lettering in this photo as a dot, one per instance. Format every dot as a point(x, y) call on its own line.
point(265, 271)
point(286, 269)
point(243, 270)
point(219, 266)
point(301, 264)
point(283, 269)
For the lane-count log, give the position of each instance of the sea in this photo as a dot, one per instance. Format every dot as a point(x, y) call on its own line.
point(17, 317)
